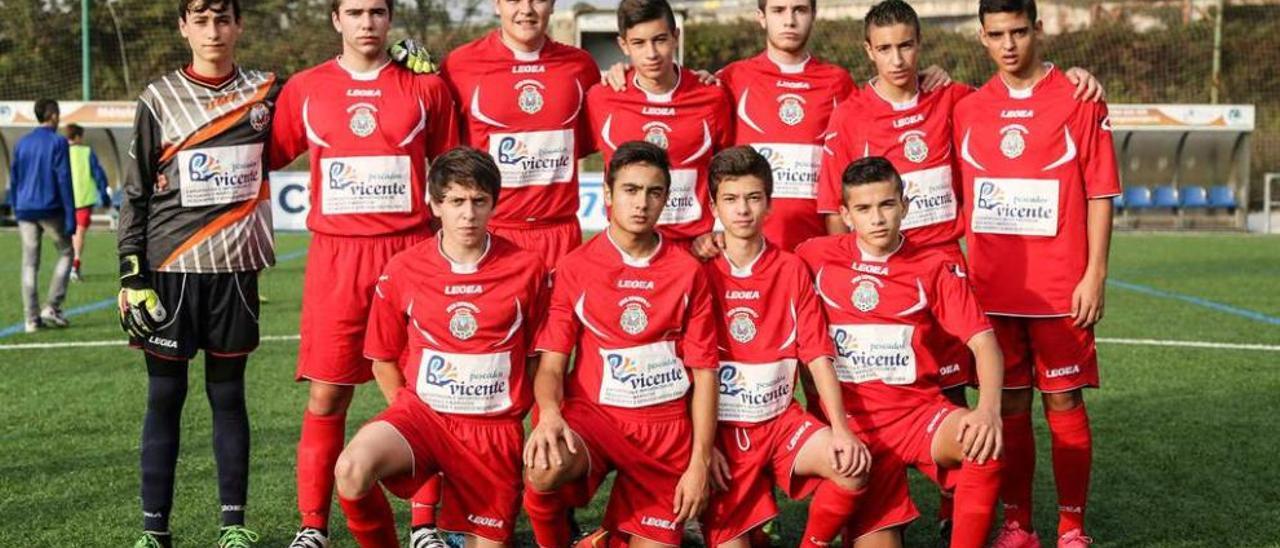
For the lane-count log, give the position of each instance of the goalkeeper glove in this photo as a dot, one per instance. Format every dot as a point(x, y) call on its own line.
point(412, 56)
point(140, 310)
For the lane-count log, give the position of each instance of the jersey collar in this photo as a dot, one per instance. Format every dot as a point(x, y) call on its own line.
point(1027, 92)
point(869, 258)
point(790, 68)
point(365, 76)
point(897, 107)
point(465, 268)
point(659, 97)
point(745, 271)
point(628, 259)
point(519, 55)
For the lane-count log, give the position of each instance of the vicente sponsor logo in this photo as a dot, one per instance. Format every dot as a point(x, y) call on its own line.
point(637, 375)
point(874, 354)
point(994, 200)
point(733, 384)
point(348, 178)
point(204, 168)
point(442, 373)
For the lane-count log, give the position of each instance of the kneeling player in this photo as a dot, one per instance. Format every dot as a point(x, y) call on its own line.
point(465, 305)
point(770, 321)
point(639, 313)
point(885, 298)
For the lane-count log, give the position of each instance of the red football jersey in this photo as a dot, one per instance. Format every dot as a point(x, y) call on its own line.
point(1031, 160)
point(369, 136)
point(916, 137)
point(468, 328)
point(692, 122)
point(636, 324)
point(526, 110)
point(882, 310)
point(770, 324)
point(782, 111)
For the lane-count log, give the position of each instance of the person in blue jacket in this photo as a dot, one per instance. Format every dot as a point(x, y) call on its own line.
point(41, 198)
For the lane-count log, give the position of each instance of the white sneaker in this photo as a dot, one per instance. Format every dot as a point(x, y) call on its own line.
point(32, 326)
point(308, 537)
point(426, 537)
point(53, 317)
point(75, 275)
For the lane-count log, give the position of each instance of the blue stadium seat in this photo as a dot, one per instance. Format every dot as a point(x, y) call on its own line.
point(1117, 202)
point(1137, 197)
point(1222, 196)
point(1194, 197)
point(1165, 196)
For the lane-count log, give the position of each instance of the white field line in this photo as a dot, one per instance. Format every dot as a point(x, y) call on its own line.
point(285, 338)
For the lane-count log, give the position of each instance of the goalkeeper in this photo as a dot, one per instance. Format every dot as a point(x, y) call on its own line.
point(195, 230)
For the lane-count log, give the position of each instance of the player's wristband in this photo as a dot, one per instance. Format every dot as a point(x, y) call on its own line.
point(133, 272)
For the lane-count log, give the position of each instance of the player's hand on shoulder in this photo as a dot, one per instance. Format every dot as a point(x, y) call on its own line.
point(708, 246)
point(413, 56)
point(616, 77)
point(1088, 88)
point(933, 78)
point(980, 436)
point(707, 78)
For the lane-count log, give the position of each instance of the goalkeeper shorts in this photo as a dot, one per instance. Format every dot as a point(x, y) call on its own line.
point(217, 313)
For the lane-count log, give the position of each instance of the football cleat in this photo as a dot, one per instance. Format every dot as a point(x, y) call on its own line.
point(944, 534)
point(53, 317)
point(595, 539)
point(1074, 539)
point(1013, 535)
point(310, 537)
point(236, 536)
point(427, 537)
point(153, 539)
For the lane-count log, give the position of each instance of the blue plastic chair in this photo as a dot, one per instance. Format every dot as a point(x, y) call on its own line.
point(1194, 197)
point(1136, 197)
point(1222, 196)
point(1165, 196)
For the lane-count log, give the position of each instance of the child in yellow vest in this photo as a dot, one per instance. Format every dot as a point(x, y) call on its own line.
point(89, 187)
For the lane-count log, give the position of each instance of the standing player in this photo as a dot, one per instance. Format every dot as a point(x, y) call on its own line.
point(1039, 172)
point(465, 305)
point(195, 229)
point(522, 96)
point(668, 106)
point(89, 184)
point(370, 126)
point(770, 322)
point(886, 298)
point(639, 314)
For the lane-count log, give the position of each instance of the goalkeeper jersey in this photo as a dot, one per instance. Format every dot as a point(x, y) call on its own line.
point(196, 197)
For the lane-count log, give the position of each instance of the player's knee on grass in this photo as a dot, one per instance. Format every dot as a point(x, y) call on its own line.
point(329, 399)
point(1015, 402)
point(1063, 401)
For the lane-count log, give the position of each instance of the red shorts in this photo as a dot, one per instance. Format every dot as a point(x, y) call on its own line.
point(83, 217)
point(649, 458)
point(791, 221)
point(896, 442)
point(479, 460)
point(759, 456)
point(336, 294)
point(955, 360)
point(1049, 354)
point(549, 241)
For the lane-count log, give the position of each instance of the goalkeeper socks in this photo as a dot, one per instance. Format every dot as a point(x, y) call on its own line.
point(424, 503)
point(828, 512)
point(224, 384)
point(318, 450)
point(977, 489)
point(547, 517)
point(371, 520)
point(161, 426)
point(1019, 469)
point(1072, 464)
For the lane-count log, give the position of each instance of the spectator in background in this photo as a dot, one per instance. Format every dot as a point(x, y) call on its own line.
point(89, 187)
point(41, 198)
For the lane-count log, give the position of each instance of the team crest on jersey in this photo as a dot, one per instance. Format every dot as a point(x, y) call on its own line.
point(259, 117)
point(656, 134)
point(866, 297)
point(463, 323)
point(791, 109)
point(742, 328)
point(363, 121)
point(530, 98)
point(1012, 143)
point(913, 146)
point(634, 320)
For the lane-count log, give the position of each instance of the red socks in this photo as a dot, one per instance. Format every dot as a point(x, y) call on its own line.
point(977, 488)
point(370, 519)
point(425, 501)
point(1019, 469)
point(318, 450)
point(547, 517)
point(1072, 464)
point(829, 511)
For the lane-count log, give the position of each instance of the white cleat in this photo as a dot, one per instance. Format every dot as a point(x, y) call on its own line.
point(427, 537)
point(308, 537)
